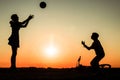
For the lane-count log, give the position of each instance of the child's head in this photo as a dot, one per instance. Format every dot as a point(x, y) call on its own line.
point(94, 36)
point(14, 17)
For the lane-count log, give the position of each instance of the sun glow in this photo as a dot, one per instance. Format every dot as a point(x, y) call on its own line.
point(51, 51)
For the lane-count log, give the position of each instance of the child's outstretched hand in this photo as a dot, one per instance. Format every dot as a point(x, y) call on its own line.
point(30, 17)
point(83, 42)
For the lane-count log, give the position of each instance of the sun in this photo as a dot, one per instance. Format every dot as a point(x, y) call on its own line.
point(51, 51)
point(50, 48)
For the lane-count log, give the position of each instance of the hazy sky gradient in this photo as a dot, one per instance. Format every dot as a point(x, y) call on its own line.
point(64, 23)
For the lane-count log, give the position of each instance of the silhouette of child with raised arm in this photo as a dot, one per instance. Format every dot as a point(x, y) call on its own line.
point(14, 37)
point(96, 45)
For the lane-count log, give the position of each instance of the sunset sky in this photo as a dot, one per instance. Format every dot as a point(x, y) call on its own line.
point(53, 37)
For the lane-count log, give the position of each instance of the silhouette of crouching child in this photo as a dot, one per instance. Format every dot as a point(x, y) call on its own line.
point(13, 40)
point(96, 45)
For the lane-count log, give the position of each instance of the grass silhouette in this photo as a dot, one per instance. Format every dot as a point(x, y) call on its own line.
point(82, 73)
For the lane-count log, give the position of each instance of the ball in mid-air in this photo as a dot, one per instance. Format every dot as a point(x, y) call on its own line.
point(43, 4)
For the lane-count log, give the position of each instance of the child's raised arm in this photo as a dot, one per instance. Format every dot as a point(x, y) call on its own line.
point(25, 22)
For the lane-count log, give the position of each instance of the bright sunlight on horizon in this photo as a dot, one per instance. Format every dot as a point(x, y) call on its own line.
point(53, 37)
point(50, 50)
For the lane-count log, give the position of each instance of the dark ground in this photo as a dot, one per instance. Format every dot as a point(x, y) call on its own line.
point(59, 74)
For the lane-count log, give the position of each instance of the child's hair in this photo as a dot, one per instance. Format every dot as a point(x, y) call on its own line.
point(14, 16)
point(95, 35)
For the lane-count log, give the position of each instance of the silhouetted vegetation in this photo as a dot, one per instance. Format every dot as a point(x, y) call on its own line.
point(81, 73)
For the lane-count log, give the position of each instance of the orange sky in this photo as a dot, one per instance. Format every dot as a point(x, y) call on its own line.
point(63, 24)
